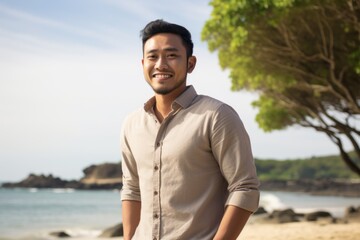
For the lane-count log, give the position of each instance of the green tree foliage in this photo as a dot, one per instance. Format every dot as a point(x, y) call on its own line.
point(328, 167)
point(301, 56)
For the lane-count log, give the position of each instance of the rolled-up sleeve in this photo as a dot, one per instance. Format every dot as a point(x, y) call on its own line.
point(130, 189)
point(232, 149)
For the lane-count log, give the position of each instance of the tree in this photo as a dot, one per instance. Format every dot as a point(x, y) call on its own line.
point(301, 56)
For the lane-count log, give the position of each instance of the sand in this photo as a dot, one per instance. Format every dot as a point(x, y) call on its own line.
point(291, 231)
point(301, 231)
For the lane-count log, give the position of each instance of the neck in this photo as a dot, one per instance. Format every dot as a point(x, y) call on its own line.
point(162, 107)
point(163, 104)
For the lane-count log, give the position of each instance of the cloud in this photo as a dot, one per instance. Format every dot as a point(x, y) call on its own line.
point(192, 10)
point(135, 8)
point(29, 17)
point(148, 10)
point(108, 36)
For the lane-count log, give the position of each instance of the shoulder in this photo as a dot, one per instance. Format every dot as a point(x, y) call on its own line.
point(133, 119)
point(134, 115)
point(213, 105)
point(207, 103)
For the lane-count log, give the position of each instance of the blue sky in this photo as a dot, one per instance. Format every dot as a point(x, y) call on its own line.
point(70, 71)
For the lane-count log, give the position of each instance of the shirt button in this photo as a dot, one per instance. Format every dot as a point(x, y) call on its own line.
point(156, 215)
point(155, 192)
point(156, 167)
point(158, 144)
point(154, 238)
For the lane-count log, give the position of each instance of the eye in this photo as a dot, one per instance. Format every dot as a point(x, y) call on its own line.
point(172, 55)
point(151, 57)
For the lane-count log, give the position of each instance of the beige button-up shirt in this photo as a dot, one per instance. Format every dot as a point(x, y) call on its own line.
point(188, 168)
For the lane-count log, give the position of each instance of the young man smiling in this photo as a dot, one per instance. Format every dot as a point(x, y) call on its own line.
point(188, 170)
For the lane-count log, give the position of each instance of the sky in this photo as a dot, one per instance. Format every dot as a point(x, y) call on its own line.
point(70, 71)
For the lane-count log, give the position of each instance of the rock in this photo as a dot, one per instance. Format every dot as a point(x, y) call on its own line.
point(352, 214)
point(283, 216)
point(39, 181)
point(115, 231)
point(260, 210)
point(107, 173)
point(313, 216)
point(60, 234)
point(103, 171)
point(103, 176)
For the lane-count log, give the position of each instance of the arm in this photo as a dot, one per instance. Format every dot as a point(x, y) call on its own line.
point(130, 217)
point(232, 223)
point(232, 149)
point(130, 193)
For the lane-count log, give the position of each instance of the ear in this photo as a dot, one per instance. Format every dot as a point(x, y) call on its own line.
point(191, 64)
point(142, 62)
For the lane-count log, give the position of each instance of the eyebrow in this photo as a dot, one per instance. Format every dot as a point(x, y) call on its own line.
point(169, 49)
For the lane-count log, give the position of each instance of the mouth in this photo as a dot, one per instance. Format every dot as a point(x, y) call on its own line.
point(162, 75)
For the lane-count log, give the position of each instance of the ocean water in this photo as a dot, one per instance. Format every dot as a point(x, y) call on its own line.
point(33, 213)
point(305, 203)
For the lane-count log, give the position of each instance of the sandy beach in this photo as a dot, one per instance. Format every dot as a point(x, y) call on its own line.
point(292, 231)
point(301, 231)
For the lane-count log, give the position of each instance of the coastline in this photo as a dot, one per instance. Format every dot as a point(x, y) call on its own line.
point(317, 187)
point(289, 231)
point(34, 214)
point(261, 226)
point(279, 231)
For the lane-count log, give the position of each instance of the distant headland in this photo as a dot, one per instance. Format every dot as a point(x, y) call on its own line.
point(317, 176)
point(96, 177)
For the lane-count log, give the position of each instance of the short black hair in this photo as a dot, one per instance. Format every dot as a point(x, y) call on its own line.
point(161, 26)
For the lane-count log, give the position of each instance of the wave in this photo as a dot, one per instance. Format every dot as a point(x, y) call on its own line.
point(63, 190)
point(304, 203)
point(79, 232)
point(54, 190)
point(33, 190)
point(271, 202)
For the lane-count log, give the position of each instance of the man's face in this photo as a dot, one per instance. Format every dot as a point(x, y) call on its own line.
point(165, 63)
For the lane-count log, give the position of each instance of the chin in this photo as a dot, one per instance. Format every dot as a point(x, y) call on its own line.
point(162, 91)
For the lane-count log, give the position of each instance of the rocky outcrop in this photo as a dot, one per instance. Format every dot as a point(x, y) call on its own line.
point(283, 216)
point(106, 173)
point(352, 214)
point(314, 216)
point(115, 231)
point(289, 216)
point(260, 210)
point(59, 234)
point(103, 176)
point(279, 216)
point(39, 181)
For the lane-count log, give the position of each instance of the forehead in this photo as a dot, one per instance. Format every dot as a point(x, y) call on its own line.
point(163, 41)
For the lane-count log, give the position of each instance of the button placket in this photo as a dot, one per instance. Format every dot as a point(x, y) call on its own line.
point(156, 185)
point(157, 177)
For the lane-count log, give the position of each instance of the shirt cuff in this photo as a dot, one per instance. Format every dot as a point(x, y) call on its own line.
point(128, 195)
point(248, 200)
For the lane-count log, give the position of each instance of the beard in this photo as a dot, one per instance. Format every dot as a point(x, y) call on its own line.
point(164, 90)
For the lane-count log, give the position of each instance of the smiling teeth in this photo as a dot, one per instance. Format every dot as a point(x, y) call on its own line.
point(162, 76)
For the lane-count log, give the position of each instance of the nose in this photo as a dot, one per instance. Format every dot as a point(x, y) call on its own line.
point(161, 64)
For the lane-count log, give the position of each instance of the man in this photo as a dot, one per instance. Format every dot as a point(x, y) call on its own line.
point(188, 171)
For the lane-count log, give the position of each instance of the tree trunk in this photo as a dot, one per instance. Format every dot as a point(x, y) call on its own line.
point(349, 162)
point(346, 157)
point(353, 166)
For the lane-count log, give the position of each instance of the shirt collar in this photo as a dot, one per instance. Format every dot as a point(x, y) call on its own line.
point(184, 100)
